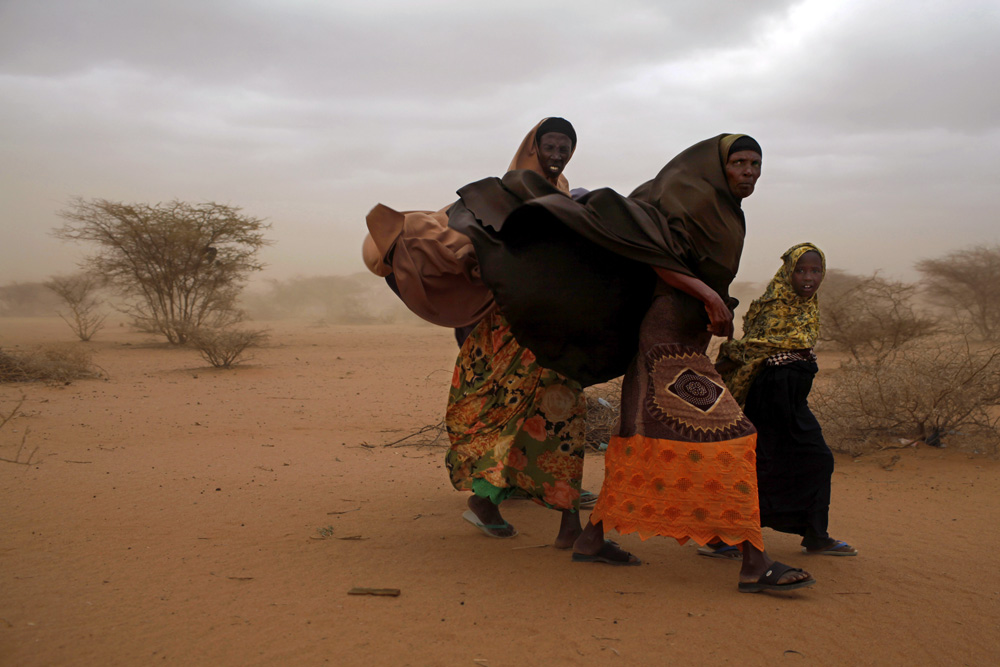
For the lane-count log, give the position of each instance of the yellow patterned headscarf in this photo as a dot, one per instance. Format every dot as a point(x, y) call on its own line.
point(779, 320)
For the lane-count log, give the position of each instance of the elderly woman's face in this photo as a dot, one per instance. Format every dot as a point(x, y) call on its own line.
point(742, 172)
point(554, 151)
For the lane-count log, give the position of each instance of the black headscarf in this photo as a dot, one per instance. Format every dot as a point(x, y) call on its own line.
point(556, 124)
point(745, 143)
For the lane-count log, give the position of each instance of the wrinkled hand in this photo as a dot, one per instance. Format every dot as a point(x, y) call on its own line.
point(719, 316)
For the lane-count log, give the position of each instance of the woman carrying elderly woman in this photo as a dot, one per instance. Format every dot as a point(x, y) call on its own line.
point(641, 287)
point(515, 426)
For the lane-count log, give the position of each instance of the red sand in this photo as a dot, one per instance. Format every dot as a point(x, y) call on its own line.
point(174, 516)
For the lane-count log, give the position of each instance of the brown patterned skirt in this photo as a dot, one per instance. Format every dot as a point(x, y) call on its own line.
point(683, 463)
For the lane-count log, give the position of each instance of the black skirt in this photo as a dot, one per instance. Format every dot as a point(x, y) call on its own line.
point(794, 464)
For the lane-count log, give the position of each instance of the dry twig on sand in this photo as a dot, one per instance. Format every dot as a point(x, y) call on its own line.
point(6, 417)
point(602, 420)
point(434, 435)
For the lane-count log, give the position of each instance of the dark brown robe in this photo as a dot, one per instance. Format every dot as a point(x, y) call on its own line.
point(573, 276)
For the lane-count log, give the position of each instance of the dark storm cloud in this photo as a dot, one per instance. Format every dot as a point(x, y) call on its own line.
point(875, 117)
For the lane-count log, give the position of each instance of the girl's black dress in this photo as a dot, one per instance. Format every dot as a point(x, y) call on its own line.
point(794, 464)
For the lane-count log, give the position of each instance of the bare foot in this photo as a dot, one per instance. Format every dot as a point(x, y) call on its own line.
point(489, 515)
point(569, 530)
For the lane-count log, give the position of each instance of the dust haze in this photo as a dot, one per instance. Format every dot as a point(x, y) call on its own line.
point(359, 298)
point(878, 131)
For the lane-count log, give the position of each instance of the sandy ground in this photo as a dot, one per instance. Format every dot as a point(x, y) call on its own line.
point(179, 514)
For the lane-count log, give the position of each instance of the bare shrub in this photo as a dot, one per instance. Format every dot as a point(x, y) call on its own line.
point(963, 282)
point(870, 315)
point(51, 363)
point(926, 390)
point(182, 265)
point(27, 300)
point(225, 348)
point(8, 415)
point(361, 298)
point(603, 410)
point(79, 293)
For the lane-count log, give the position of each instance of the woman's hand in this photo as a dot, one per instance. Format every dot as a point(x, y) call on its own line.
point(719, 316)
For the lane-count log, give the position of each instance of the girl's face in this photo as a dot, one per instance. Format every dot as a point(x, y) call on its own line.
point(808, 274)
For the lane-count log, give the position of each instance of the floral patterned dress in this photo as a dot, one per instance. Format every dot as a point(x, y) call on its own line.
point(512, 423)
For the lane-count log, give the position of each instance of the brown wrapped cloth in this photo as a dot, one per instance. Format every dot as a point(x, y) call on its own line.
point(435, 268)
point(574, 277)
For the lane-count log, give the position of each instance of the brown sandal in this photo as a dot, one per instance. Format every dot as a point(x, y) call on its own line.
point(609, 553)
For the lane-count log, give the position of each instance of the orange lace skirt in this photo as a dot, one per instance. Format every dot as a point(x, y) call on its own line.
point(702, 491)
point(683, 464)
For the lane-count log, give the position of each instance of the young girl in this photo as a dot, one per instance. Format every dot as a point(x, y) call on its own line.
point(770, 372)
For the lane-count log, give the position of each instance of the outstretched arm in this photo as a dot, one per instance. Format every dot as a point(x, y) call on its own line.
point(719, 316)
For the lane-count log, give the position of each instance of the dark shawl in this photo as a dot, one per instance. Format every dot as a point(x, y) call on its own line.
point(434, 267)
point(573, 277)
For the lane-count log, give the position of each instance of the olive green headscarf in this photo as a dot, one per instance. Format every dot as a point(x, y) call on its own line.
point(779, 320)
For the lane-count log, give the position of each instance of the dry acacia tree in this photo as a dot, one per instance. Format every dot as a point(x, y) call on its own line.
point(180, 265)
point(79, 294)
point(964, 282)
point(870, 315)
point(927, 390)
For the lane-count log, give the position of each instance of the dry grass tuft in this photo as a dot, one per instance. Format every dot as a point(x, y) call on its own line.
point(47, 363)
point(603, 410)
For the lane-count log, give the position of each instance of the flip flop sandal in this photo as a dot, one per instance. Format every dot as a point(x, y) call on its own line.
point(769, 580)
point(725, 552)
point(609, 553)
point(587, 499)
point(488, 528)
point(836, 550)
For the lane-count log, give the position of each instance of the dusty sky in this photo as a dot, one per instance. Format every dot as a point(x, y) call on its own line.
point(879, 120)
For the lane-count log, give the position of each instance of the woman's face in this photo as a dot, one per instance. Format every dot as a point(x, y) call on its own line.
point(808, 274)
point(742, 172)
point(554, 151)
